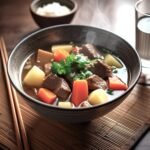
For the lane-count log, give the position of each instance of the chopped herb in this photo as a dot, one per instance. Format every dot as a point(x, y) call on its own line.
point(73, 63)
point(82, 75)
point(81, 61)
point(70, 59)
point(58, 68)
point(63, 67)
point(110, 92)
point(88, 73)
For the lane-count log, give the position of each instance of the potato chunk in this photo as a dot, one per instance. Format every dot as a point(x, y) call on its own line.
point(44, 57)
point(98, 96)
point(34, 78)
point(65, 104)
point(67, 47)
point(112, 61)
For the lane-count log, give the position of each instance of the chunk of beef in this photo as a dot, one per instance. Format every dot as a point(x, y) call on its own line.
point(96, 82)
point(101, 69)
point(90, 51)
point(57, 85)
point(63, 91)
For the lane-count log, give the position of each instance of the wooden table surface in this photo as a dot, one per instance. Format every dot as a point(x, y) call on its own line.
point(16, 22)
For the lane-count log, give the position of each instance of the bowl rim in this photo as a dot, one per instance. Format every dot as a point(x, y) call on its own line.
point(28, 97)
point(75, 8)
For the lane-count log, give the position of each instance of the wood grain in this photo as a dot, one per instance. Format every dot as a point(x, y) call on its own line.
point(119, 129)
point(20, 132)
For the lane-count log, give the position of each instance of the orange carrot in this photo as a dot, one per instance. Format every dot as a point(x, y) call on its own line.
point(60, 55)
point(79, 92)
point(115, 83)
point(46, 95)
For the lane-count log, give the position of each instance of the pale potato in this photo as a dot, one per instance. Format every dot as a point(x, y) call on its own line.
point(112, 61)
point(65, 104)
point(67, 47)
point(98, 96)
point(44, 57)
point(34, 78)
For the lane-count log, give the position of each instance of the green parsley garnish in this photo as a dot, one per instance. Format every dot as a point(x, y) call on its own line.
point(63, 67)
point(75, 65)
point(110, 92)
point(82, 75)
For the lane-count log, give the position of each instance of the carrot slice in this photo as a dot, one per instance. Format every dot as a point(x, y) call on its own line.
point(79, 92)
point(60, 55)
point(46, 95)
point(115, 83)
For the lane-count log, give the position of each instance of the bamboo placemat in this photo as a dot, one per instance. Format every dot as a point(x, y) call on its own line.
point(118, 130)
point(7, 134)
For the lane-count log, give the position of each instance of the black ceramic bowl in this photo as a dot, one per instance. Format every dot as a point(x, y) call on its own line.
point(45, 21)
point(77, 34)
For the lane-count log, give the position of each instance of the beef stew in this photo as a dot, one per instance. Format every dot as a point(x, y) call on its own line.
point(74, 76)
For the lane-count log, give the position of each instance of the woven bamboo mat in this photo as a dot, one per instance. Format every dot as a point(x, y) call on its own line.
point(118, 130)
point(7, 134)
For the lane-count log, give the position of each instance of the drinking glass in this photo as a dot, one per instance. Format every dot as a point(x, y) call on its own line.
point(142, 21)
